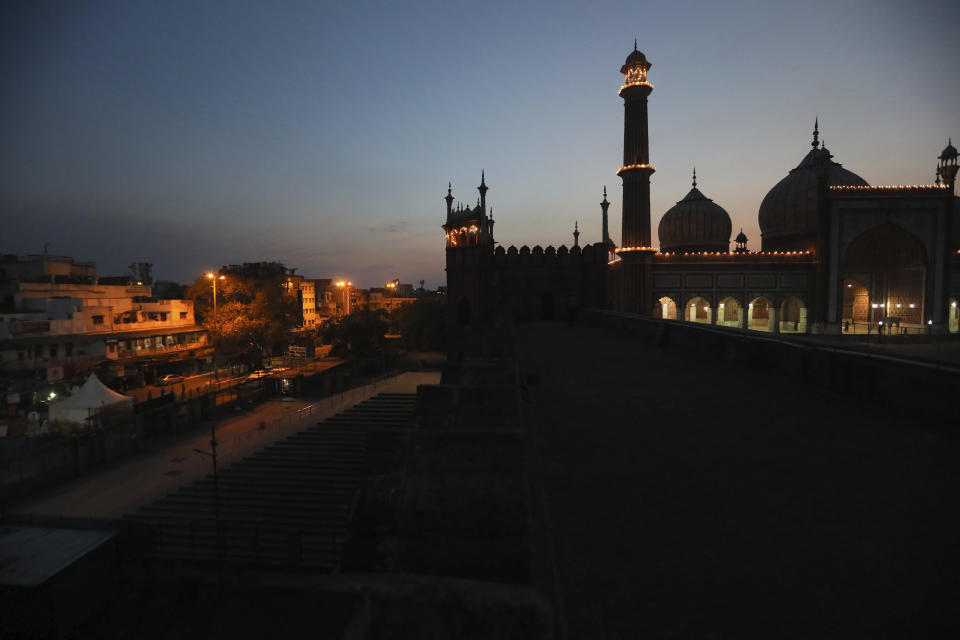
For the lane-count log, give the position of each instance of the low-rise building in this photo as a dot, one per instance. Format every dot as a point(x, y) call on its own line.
point(53, 327)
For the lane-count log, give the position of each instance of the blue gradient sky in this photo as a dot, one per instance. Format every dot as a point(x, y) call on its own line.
point(194, 134)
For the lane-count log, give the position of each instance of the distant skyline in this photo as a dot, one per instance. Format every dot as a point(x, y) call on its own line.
point(196, 134)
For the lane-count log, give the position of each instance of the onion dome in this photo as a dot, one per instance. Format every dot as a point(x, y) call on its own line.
point(635, 56)
point(949, 152)
point(696, 223)
point(741, 237)
point(635, 59)
point(788, 213)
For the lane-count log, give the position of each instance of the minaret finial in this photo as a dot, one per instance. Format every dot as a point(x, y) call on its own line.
point(816, 132)
point(483, 176)
point(634, 43)
point(694, 176)
point(604, 192)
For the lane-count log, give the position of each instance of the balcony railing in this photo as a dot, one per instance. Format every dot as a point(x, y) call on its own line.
point(154, 351)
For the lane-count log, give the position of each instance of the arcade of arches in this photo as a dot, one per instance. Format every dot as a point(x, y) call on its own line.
point(760, 313)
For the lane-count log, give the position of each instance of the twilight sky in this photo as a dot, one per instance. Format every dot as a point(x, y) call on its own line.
point(193, 134)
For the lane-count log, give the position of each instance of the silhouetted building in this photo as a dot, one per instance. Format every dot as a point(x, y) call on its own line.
point(835, 252)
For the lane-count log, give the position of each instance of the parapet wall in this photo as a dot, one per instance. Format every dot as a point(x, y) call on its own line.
point(913, 388)
point(558, 257)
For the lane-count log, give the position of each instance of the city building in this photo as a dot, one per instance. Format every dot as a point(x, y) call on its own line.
point(837, 255)
point(55, 326)
point(393, 295)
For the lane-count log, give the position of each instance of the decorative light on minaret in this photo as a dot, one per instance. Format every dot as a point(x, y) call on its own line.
point(468, 226)
point(636, 169)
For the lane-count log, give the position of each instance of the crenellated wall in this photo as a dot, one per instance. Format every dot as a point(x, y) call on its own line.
point(531, 284)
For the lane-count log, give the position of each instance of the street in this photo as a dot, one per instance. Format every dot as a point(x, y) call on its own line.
point(167, 463)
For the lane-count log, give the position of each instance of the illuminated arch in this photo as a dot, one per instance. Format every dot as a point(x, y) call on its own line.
point(665, 309)
point(698, 309)
point(759, 314)
point(793, 315)
point(891, 264)
point(730, 312)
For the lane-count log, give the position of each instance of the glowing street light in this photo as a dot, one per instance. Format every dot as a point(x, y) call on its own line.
point(392, 286)
point(213, 279)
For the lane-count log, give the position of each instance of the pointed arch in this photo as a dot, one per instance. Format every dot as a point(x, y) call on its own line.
point(665, 309)
point(698, 309)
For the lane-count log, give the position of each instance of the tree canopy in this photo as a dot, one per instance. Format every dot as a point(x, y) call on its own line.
point(254, 317)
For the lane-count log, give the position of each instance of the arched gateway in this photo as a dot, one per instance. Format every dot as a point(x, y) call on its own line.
point(884, 276)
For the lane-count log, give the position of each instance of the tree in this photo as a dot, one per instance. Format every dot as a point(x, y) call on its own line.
point(254, 317)
point(422, 324)
point(359, 334)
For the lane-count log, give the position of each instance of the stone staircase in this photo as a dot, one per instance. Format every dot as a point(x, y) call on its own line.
point(288, 505)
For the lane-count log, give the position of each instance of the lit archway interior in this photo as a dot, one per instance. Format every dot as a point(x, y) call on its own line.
point(793, 315)
point(856, 306)
point(890, 263)
point(697, 310)
point(730, 313)
point(665, 308)
point(758, 315)
point(953, 319)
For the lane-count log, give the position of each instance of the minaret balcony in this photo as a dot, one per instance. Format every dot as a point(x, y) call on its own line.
point(649, 168)
point(643, 84)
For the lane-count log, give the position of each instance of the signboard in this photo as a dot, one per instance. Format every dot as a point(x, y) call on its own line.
point(297, 351)
point(54, 374)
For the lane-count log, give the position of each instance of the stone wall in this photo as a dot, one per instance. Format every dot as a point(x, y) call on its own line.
point(915, 389)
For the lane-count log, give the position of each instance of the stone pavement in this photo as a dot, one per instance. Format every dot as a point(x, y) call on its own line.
point(168, 463)
point(693, 498)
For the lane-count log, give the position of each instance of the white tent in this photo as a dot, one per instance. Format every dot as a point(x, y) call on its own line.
point(92, 396)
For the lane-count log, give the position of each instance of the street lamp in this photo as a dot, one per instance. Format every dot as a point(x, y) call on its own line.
point(392, 286)
point(213, 279)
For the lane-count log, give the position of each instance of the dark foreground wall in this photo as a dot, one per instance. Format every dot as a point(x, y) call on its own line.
point(913, 388)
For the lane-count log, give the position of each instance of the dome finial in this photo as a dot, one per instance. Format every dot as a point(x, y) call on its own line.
point(694, 176)
point(634, 43)
point(816, 132)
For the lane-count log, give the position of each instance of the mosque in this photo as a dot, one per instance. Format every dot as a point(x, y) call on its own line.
point(838, 256)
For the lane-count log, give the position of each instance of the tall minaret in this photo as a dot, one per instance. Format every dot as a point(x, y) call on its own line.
point(576, 234)
point(483, 191)
point(636, 169)
point(604, 205)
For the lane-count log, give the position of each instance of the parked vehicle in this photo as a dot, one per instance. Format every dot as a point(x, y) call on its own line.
point(170, 378)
